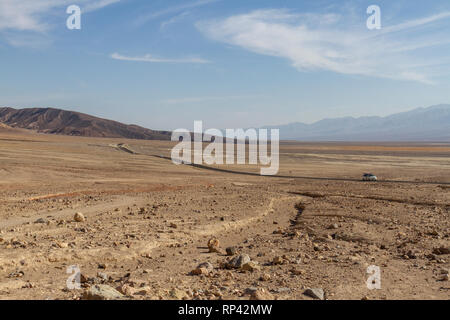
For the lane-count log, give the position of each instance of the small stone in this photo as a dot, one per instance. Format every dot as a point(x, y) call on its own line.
point(213, 245)
point(297, 272)
point(250, 290)
point(231, 251)
point(264, 277)
point(200, 272)
point(239, 261)
point(282, 290)
point(412, 254)
point(102, 292)
point(203, 269)
point(251, 266)
point(261, 295)
point(277, 260)
point(441, 250)
point(83, 278)
point(315, 293)
point(63, 245)
point(41, 221)
point(16, 274)
point(79, 217)
point(126, 289)
point(178, 294)
point(145, 291)
point(102, 276)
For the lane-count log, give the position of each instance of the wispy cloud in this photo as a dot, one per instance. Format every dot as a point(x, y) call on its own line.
point(171, 10)
point(99, 4)
point(416, 22)
point(329, 42)
point(150, 58)
point(174, 19)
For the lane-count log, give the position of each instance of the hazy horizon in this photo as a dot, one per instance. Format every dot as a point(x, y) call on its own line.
point(263, 126)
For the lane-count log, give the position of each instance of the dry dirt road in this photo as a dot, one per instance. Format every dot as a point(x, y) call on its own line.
point(148, 222)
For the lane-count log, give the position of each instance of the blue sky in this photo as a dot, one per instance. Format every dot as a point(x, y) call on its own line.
point(163, 64)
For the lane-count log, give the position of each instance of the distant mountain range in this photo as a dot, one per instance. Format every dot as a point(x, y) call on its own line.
point(423, 124)
point(55, 121)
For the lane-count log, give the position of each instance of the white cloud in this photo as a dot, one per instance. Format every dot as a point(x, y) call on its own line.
point(150, 58)
point(31, 15)
point(330, 42)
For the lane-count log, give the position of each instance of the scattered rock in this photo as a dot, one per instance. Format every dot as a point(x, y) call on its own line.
point(62, 245)
point(41, 221)
point(441, 250)
point(413, 254)
point(238, 261)
point(79, 217)
point(282, 290)
point(28, 285)
point(103, 276)
point(265, 277)
point(178, 294)
point(145, 291)
point(231, 251)
point(315, 293)
point(297, 272)
point(250, 290)
point(261, 294)
point(126, 289)
point(16, 274)
point(203, 269)
point(278, 260)
point(251, 266)
point(213, 245)
point(200, 272)
point(83, 278)
point(102, 292)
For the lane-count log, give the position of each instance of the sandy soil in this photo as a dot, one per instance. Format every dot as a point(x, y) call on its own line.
point(148, 222)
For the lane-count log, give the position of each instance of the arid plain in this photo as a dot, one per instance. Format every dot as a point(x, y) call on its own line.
point(146, 223)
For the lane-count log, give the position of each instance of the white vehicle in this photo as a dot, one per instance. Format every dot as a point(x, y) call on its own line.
point(369, 177)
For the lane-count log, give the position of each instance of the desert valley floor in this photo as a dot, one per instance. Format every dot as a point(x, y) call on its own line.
point(148, 222)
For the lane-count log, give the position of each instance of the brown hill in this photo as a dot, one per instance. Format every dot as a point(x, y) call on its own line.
point(56, 121)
